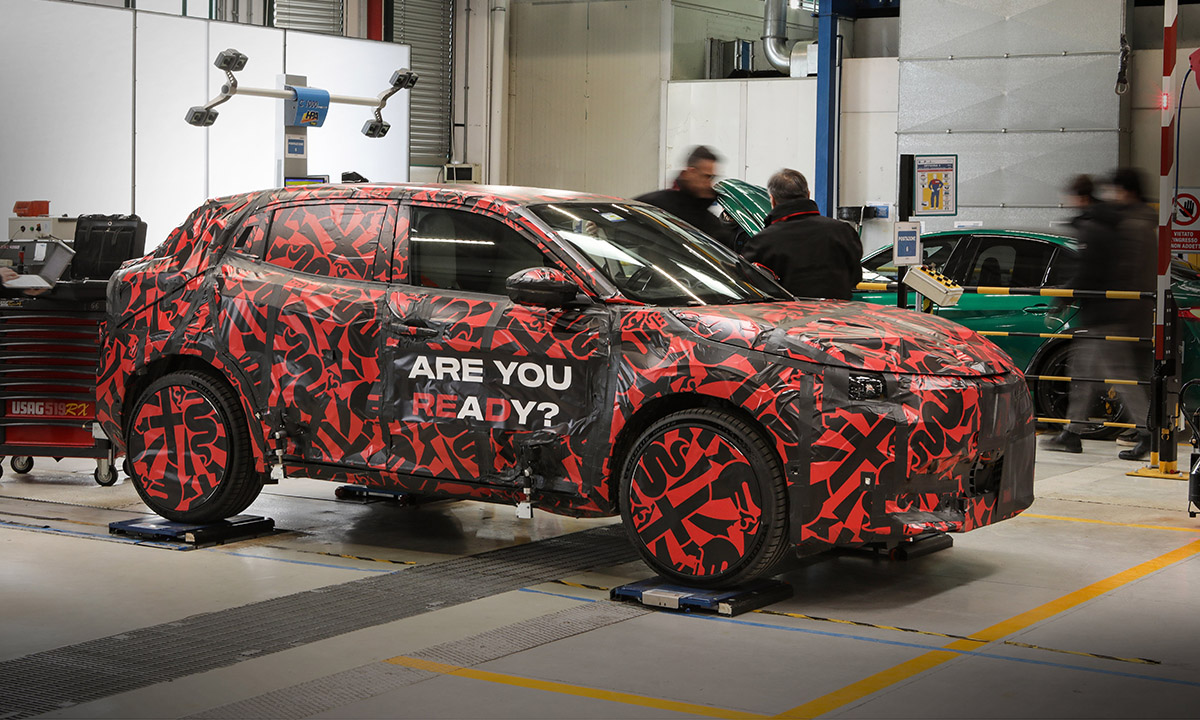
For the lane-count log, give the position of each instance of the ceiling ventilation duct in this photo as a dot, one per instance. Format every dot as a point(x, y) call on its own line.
point(795, 60)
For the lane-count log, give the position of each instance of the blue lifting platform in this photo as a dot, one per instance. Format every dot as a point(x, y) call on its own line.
point(657, 592)
point(152, 527)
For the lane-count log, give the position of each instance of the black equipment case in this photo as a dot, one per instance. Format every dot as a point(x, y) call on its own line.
point(103, 242)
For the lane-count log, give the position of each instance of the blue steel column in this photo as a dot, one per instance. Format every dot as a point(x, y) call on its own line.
point(824, 184)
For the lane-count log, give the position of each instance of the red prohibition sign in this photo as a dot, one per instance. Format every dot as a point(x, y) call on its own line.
point(1187, 209)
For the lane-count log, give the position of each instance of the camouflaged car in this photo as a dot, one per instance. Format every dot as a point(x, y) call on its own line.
point(590, 355)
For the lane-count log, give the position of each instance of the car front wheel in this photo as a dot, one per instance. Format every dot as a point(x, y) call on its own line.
point(189, 449)
point(704, 500)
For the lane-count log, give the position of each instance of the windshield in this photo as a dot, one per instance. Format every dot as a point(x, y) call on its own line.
point(653, 258)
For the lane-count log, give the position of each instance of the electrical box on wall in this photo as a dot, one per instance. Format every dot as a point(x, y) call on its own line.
point(461, 173)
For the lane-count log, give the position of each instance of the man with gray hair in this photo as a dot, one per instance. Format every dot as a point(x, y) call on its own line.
point(813, 256)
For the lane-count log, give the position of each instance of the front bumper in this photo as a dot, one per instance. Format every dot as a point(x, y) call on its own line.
point(935, 453)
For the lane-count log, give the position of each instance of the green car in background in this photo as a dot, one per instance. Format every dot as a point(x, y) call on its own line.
point(1006, 258)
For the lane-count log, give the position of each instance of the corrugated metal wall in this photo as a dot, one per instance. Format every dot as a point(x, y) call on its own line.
point(1020, 90)
point(427, 26)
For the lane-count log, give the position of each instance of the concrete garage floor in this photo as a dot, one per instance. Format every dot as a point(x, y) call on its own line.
point(1085, 606)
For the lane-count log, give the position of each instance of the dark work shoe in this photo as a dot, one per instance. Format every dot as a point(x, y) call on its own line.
point(1129, 438)
point(1139, 451)
point(1065, 441)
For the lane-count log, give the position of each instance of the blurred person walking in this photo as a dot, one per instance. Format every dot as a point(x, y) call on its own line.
point(812, 255)
point(1118, 250)
point(692, 195)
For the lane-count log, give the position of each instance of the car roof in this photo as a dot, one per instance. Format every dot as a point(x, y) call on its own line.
point(499, 197)
point(1032, 234)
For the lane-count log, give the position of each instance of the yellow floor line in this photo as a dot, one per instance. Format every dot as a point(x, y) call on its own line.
point(565, 689)
point(1109, 522)
point(918, 665)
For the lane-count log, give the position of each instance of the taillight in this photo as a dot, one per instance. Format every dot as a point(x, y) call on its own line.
point(1189, 314)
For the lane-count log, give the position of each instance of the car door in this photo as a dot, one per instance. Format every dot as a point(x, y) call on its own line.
point(1006, 261)
point(321, 283)
point(479, 388)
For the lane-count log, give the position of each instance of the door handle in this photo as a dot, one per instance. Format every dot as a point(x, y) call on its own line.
point(406, 328)
point(1037, 309)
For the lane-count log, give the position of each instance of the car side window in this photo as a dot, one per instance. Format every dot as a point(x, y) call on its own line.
point(935, 253)
point(252, 235)
point(330, 239)
point(460, 250)
point(1009, 262)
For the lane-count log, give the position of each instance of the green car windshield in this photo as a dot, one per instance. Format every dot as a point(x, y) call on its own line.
point(651, 257)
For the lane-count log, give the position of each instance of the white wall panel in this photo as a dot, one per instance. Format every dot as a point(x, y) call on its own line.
point(241, 144)
point(353, 67)
point(870, 85)
point(172, 75)
point(781, 124)
point(623, 87)
point(704, 112)
point(68, 125)
point(548, 106)
point(585, 89)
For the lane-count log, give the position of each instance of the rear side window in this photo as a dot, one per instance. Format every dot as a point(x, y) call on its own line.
point(1010, 262)
point(459, 250)
point(336, 240)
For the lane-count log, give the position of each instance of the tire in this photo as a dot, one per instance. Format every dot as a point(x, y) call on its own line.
point(189, 449)
point(1051, 399)
point(21, 464)
point(704, 500)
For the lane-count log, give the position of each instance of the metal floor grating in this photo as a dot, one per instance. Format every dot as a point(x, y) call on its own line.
point(75, 674)
point(336, 691)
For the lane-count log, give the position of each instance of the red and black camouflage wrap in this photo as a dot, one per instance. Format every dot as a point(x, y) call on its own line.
point(694, 501)
point(358, 376)
point(179, 444)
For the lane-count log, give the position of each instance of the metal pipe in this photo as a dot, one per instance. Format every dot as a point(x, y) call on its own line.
point(774, 36)
point(289, 95)
point(497, 95)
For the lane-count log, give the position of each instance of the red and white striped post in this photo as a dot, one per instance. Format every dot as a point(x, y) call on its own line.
point(1165, 443)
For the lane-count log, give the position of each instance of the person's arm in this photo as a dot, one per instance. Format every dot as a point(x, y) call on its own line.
point(7, 274)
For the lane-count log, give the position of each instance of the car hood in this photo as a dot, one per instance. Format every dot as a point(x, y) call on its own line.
point(852, 335)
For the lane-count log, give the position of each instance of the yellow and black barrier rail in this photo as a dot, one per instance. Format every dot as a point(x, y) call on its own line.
point(1064, 421)
point(1065, 336)
point(1043, 292)
point(1106, 381)
point(876, 287)
point(1061, 292)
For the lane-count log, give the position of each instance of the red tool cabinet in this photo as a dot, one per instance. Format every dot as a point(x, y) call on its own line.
point(49, 351)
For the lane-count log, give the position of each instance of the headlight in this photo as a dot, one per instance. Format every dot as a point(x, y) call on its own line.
point(867, 387)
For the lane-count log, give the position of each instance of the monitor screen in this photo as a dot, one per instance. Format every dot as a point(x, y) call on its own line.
point(305, 180)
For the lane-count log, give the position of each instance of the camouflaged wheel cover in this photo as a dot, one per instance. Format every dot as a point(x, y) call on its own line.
point(695, 502)
point(179, 448)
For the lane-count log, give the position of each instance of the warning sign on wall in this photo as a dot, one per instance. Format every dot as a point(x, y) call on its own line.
point(1185, 223)
point(936, 185)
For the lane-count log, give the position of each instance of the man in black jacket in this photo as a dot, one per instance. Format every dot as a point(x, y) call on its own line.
point(692, 196)
point(813, 256)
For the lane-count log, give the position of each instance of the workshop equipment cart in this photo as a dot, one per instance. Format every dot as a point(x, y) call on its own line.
point(49, 353)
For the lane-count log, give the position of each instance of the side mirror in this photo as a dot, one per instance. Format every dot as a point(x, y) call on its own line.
point(542, 286)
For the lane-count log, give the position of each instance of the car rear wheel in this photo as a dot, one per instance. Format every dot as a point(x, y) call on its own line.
point(1053, 398)
point(189, 449)
point(704, 500)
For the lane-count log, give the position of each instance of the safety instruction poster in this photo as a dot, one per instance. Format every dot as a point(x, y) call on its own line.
point(1185, 223)
point(936, 185)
